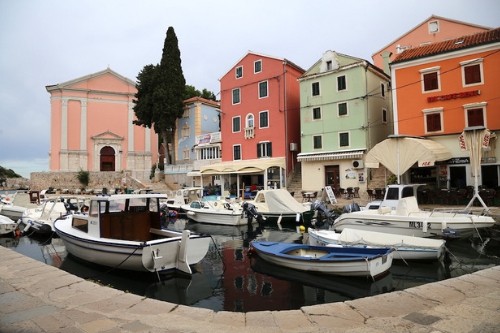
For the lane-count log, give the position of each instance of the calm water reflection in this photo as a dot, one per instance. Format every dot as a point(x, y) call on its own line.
point(228, 279)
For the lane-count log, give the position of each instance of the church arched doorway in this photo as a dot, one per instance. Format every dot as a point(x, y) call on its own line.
point(107, 161)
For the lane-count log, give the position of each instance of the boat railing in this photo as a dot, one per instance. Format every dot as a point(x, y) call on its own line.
point(453, 211)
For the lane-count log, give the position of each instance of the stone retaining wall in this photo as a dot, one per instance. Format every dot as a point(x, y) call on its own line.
point(97, 180)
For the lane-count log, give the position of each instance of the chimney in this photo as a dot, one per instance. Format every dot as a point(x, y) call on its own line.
point(386, 56)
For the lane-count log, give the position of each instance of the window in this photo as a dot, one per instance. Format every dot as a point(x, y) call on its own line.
point(249, 126)
point(475, 117)
point(236, 124)
point(341, 83)
point(317, 142)
point(264, 149)
point(384, 116)
point(249, 120)
point(185, 132)
point(342, 109)
point(315, 89)
point(316, 113)
point(185, 154)
point(433, 27)
point(329, 65)
point(430, 79)
point(238, 72)
point(433, 120)
point(236, 96)
point(344, 139)
point(262, 89)
point(472, 72)
point(209, 153)
point(237, 152)
point(382, 90)
point(257, 66)
point(263, 119)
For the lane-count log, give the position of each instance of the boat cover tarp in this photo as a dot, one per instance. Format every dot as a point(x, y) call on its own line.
point(354, 236)
point(398, 154)
point(279, 201)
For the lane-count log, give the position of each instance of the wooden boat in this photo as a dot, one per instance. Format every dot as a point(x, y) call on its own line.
point(7, 226)
point(124, 231)
point(345, 261)
point(406, 247)
point(214, 212)
point(400, 214)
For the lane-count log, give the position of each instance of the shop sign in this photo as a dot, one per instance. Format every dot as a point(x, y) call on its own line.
point(459, 160)
point(453, 96)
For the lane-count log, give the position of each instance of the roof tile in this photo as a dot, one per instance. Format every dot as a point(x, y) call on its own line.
point(487, 37)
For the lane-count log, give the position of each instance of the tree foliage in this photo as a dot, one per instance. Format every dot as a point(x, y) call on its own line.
point(160, 92)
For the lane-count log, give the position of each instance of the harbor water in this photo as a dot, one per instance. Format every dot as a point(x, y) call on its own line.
point(228, 279)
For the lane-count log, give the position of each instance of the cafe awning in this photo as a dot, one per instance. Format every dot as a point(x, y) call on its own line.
point(399, 153)
point(327, 156)
point(242, 166)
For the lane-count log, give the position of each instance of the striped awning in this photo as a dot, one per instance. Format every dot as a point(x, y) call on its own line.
point(243, 166)
point(326, 156)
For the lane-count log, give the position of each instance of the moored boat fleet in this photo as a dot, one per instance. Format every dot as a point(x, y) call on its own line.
point(125, 231)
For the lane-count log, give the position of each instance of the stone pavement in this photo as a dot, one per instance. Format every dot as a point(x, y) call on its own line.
point(35, 297)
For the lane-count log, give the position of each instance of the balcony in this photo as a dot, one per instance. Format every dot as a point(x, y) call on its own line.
point(249, 132)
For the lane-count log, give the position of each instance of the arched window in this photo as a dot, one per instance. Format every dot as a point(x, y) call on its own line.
point(107, 159)
point(249, 121)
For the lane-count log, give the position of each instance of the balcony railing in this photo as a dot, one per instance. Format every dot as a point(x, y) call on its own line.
point(249, 132)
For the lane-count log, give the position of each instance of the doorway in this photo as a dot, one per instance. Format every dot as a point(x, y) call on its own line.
point(457, 177)
point(332, 179)
point(489, 175)
point(107, 159)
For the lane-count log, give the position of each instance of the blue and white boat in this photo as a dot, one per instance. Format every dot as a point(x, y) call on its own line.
point(344, 261)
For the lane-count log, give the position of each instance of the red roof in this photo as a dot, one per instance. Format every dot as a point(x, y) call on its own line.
point(488, 37)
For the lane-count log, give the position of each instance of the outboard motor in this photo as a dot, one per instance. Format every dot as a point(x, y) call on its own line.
point(323, 213)
point(352, 207)
point(251, 211)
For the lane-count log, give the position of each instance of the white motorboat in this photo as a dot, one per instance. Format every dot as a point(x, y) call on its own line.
point(400, 214)
point(344, 261)
point(7, 208)
point(124, 231)
point(7, 226)
point(182, 197)
point(40, 220)
point(215, 212)
point(407, 247)
point(280, 204)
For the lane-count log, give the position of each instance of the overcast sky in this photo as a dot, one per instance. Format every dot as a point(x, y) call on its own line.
point(46, 42)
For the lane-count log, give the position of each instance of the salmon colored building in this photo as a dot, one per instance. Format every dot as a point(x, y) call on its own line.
point(443, 88)
point(433, 30)
point(92, 127)
point(260, 121)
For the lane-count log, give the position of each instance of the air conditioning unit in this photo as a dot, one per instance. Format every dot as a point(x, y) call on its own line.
point(293, 146)
point(358, 164)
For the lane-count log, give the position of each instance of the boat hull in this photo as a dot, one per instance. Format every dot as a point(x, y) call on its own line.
point(336, 261)
point(424, 224)
point(406, 247)
point(132, 255)
point(7, 226)
point(215, 218)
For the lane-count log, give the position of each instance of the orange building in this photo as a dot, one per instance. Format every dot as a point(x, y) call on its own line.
point(433, 30)
point(92, 129)
point(442, 88)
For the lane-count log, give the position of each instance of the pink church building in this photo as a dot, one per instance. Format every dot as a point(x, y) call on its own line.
point(92, 127)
